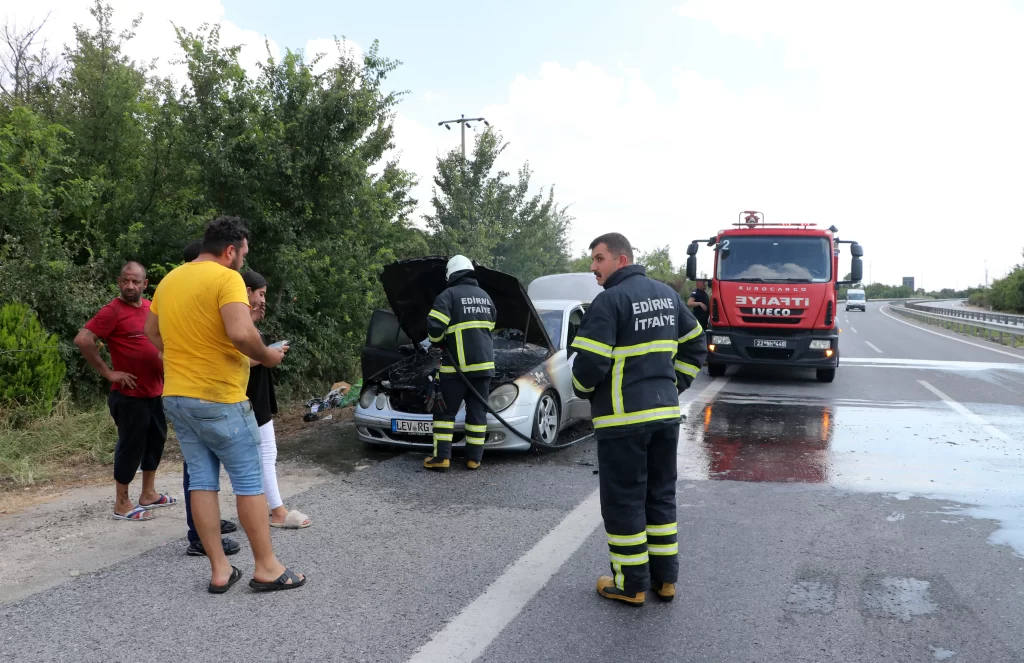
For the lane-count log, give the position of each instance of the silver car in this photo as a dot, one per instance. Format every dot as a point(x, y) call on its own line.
point(532, 386)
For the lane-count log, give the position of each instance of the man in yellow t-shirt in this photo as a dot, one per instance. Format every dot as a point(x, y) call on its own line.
point(200, 319)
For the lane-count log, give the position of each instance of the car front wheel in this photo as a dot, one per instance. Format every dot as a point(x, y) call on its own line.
point(547, 422)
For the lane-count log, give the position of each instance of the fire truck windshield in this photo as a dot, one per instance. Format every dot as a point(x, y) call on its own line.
point(781, 259)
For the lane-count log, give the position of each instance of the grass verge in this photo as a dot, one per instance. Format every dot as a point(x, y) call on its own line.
point(37, 450)
point(73, 442)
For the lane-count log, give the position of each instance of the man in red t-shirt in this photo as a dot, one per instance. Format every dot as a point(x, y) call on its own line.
point(136, 386)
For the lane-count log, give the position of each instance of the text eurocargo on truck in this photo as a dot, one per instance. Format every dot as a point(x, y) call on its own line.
point(773, 294)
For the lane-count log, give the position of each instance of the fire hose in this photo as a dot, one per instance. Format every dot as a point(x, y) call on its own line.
point(472, 390)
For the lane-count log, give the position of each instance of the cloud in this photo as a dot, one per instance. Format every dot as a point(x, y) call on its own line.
point(908, 143)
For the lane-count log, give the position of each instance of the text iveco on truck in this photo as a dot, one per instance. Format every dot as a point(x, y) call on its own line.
point(773, 295)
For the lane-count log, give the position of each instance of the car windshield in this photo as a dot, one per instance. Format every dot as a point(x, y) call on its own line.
point(774, 259)
point(859, 296)
point(552, 320)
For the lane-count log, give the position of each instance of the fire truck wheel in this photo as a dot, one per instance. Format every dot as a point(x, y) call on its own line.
point(716, 370)
point(826, 374)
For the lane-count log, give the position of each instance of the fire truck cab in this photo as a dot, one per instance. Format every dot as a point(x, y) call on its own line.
point(774, 295)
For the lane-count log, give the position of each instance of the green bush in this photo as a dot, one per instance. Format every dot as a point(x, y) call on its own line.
point(1008, 292)
point(31, 369)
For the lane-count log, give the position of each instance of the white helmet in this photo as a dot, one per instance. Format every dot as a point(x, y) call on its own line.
point(459, 263)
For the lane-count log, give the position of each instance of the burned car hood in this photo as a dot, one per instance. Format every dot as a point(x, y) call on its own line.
point(412, 286)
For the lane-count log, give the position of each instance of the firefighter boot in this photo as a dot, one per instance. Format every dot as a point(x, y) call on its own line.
point(435, 463)
point(606, 588)
point(473, 464)
point(666, 591)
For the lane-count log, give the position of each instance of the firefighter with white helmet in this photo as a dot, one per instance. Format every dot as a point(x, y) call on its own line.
point(461, 321)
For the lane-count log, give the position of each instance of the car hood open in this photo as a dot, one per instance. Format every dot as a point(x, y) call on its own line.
point(412, 286)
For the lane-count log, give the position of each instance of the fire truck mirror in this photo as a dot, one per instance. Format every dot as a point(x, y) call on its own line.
point(691, 268)
point(691, 250)
point(856, 270)
point(856, 250)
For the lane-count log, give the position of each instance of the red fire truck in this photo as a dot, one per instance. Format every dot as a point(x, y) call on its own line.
point(773, 294)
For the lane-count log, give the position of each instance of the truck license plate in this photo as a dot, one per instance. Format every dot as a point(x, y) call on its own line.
point(412, 427)
point(768, 343)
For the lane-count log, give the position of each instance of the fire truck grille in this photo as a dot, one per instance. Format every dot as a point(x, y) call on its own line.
point(770, 320)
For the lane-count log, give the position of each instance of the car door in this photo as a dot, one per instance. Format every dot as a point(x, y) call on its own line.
point(385, 341)
point(579, 408)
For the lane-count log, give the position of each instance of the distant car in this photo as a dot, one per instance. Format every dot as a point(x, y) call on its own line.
point(856, 299)
point(532, 387)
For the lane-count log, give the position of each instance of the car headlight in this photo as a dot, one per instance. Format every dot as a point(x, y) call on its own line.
point(821, 345)
point(502, 397)
point(721, 340)
point(366, 398)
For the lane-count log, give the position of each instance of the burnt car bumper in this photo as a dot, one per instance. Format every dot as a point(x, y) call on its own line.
point(772, 348)
point(390, 427)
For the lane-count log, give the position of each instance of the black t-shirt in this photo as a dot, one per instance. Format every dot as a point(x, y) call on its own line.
point(701, 296)
point(261, 392)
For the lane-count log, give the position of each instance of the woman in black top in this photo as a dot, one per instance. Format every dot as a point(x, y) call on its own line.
point(264, 405)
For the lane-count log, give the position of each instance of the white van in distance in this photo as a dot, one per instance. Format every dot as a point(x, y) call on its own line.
point(856, 299)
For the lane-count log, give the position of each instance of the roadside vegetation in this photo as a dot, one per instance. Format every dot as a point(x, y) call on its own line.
point(1005, 294)
point(103, 160)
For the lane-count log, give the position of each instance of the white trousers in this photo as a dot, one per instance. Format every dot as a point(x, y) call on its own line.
point(268, 455)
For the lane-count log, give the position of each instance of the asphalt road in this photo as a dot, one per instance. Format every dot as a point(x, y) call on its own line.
point(879, 517)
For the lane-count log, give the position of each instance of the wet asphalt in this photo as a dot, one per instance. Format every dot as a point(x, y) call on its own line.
point(864, 520)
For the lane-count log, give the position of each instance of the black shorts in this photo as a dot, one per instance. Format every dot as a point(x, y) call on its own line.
point(141, 433)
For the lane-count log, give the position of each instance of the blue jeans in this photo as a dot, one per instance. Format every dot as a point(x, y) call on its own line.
point(211, 434)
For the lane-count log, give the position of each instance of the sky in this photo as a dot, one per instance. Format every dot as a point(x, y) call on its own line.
point(897, 122)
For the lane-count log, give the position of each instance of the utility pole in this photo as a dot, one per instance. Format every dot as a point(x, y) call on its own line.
point(463, 123)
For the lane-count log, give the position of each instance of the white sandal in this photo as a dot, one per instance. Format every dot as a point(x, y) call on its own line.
point(294, 520)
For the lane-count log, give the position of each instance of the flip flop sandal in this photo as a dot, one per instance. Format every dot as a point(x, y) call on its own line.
point(137, 513)
point(163, 500)
point(294, 520)
point(280, 583)
point(236, 575)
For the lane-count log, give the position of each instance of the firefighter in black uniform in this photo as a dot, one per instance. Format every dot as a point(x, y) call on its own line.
point(462, 319)
point(638, 348)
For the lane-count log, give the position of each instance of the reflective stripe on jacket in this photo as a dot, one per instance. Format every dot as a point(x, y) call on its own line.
point(462, 319)
point(639, 347)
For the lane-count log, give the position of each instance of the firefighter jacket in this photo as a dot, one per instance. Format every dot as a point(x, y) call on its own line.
point(462, 320)
point(639, 348)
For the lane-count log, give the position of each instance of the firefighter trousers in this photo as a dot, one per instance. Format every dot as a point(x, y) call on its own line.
point(454, 392)
point(638, 504)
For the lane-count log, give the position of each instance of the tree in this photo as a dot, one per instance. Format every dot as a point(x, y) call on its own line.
point(658, 263)
point(294, 153)
point(27, 67)
point(582, 263)
point(493, 221)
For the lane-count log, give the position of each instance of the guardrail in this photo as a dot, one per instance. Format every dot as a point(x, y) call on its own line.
point(997, 333)
point(970, 314)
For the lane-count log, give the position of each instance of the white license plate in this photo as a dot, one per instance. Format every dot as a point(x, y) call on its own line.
point(412, 427)
point(768, 343)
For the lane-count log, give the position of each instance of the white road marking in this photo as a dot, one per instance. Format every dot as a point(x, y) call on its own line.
point(951, 338)
point(934, 364)
point(957, 407)
point(853, 329)
point(874, 347)
point(466, 636)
